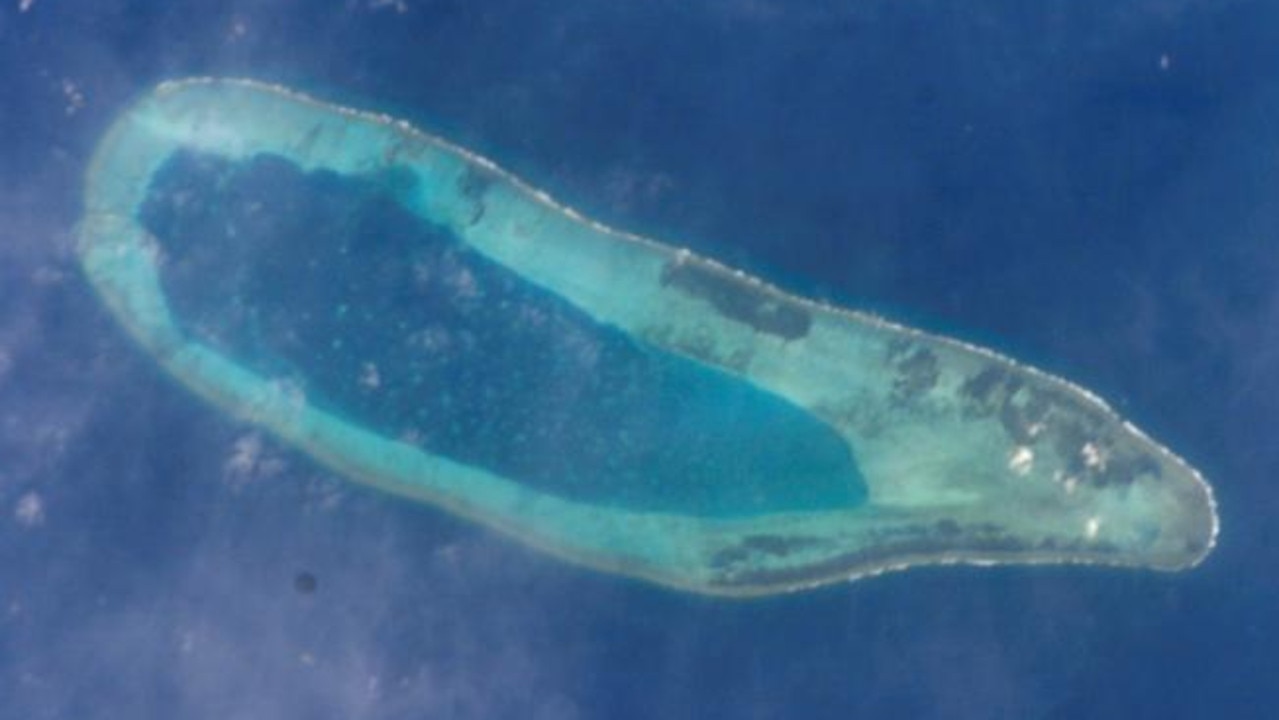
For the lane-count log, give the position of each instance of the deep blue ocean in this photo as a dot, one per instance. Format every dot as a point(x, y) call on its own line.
point(1091, 186)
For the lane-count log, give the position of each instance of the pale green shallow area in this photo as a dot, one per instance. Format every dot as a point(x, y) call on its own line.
point(969, 457)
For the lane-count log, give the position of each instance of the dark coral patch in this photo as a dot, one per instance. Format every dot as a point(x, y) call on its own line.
point(474, 185)
point(917, 373)
point(738, 297)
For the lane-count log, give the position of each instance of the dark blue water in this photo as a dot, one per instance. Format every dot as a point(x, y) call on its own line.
point(1090, 186)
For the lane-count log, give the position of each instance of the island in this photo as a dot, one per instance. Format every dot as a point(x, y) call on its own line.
point(886, 447)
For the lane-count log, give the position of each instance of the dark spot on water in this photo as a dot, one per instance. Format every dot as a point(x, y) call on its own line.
point(305, 583)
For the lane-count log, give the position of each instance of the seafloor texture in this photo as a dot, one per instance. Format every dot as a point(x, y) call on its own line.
point(893, 447)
